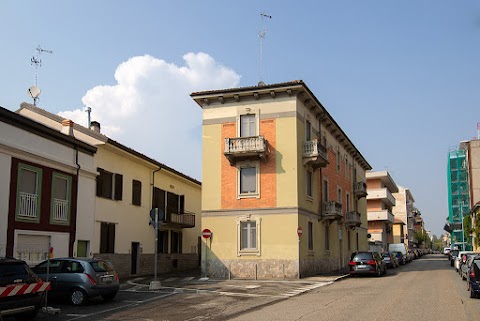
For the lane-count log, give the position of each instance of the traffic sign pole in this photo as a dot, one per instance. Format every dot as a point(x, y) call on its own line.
point(207, 234)
point(299, 233)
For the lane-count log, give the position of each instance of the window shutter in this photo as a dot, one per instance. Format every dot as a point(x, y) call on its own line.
point(182, 204)
point(136, 192)
point(103, 237)
point(100, 182)
point(118, 187)
point(180, 244)
point(111, 238)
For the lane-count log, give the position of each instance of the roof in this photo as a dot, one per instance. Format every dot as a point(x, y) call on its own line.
point(39, 129)
point(291, 88)
point(104, 138)
point(386, 179)
point(399, 221)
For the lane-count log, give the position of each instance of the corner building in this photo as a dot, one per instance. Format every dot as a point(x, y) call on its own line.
point(274, 160)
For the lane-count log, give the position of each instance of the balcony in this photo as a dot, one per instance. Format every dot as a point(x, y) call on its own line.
point(352, 219)
point(382, 194)
point(60, 210)
point(314, 154)
point(28, 205)
point(332, 211)
point(383, 215)
point(360, 189)
point(182, 220)
point(245, 148)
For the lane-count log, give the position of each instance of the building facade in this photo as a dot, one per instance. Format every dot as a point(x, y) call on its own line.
point(46, 183)
point(380, 201)
point(403, 211)
point(276, 165)
point(126, 186)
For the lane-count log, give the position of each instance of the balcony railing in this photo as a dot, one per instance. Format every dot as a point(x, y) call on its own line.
point(382, 194)
point(28, 205)
point(60, 210)
point(332, 211)
point(245, 147)
point(184, 220)
point(314, 154)
point(383, 215)
point(352, 219)
point(360, 189)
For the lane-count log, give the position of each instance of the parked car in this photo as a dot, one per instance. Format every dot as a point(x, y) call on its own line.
point(367, 263)
point(452, 256)
point(17, 277)
point(459, 259)
point(401, 258)
point(473, 279)
point(79, 279)
point(446, 250)
point(465, 267)
point(388, 259)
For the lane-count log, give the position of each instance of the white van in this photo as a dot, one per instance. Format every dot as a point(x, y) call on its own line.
point(398, 247)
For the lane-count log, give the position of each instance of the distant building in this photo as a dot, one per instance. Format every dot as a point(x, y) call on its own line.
point(380, 201)
point(403, 210)
point(274, 162)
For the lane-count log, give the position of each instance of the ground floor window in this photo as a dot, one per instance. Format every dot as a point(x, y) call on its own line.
point(248, 235)
point(107, 237)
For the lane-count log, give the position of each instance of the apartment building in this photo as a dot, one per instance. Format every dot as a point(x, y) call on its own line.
point(403, 211)
point(283, 186)
point(127, 185)
point(47, 179)
point(380, 201)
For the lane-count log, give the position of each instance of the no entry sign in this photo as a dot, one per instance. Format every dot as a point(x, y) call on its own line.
point(299, 231)
point(206, 233)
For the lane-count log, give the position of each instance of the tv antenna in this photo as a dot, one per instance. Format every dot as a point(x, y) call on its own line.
point(37, 61)
point(262, 34)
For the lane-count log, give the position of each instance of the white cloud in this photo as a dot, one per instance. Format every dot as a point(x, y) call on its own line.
point(150, 110)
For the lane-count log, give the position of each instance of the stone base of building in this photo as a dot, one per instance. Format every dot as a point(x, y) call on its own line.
point(271, 268)
point(166, 263)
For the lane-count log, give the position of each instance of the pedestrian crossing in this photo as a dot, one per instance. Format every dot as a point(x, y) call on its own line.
point(304, 289)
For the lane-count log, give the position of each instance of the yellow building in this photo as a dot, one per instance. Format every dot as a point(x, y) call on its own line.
point(128, 185)
point(275, 161)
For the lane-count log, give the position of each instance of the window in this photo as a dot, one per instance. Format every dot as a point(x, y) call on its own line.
point(339, 195)
point(136, 192)
point(29, 182)
point(248, 235)
point(248, 180)
point(338, 160)
point(106, 182)
point(162, 242)
point(308, 131)
point(346, 169)
point(347, 201)
point(309, 183)
point(310, 236)
point(176, 242)
point(60, 204)
point(348, 240)
point(107, 237)
point(247, 125)
point(325, 190)
point(327, 237)
point(357, 242)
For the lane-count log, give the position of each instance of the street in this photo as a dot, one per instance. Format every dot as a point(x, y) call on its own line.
point(426, 289)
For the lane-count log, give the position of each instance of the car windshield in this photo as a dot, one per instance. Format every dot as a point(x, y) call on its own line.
point(386, 255)
point(362, 256)
point(13, 269)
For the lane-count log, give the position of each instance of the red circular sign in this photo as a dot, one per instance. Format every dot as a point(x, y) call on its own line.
point(299, 231)
point(206, 233)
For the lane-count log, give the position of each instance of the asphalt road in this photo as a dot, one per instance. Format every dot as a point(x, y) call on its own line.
point(426, 289)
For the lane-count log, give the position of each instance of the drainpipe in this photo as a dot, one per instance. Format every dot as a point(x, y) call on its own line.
point(76, 197)
point(156, 231)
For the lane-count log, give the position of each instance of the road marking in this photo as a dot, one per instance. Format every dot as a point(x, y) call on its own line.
point(203, 279)
point(170, 280)
point(188, 279)
point(243, 286)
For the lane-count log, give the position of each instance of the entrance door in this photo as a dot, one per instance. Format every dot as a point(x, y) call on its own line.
point(135, 256)
point(82, 249)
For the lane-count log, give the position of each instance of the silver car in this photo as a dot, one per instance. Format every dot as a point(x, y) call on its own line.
point(79, 279)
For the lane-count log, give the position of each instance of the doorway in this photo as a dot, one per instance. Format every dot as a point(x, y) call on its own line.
point(135, 257)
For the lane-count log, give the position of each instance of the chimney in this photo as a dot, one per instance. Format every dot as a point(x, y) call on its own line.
point(95, 126)
point(67, 127)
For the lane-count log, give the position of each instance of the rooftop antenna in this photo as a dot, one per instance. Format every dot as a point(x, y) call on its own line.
point(37, 61)
point(262, 34)
point(88, 110)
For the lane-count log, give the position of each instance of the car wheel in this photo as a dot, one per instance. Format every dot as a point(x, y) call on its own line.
point(472, 293)
point(78, 297)
point(379, 272)
point(109, 297)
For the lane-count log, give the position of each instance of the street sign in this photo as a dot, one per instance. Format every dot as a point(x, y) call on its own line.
point(299, 231)
point(156, 215)
point(206, 233)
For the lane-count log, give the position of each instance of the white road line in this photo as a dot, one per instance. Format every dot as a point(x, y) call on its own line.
point(203, 279)
point(188, 279)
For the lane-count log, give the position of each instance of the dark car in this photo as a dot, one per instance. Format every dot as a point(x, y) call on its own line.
point(367, 263)
point(473, 278)
point(79, 279)
point(402, 259)
point(388, 259)
point(16, 277)
point(452, 256)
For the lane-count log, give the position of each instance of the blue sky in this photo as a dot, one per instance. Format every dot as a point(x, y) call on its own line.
point(400, 77)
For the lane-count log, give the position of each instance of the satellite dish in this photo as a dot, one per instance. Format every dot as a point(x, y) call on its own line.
point(34, 92)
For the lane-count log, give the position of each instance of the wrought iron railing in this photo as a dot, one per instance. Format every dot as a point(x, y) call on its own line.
point(28, 205)
point(60, 209)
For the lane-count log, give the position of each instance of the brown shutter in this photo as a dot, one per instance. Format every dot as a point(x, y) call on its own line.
point(118, 187)
point(103, 237)
point(100, 182)
point(182, 204)
point(111, 238)
point(136, 192)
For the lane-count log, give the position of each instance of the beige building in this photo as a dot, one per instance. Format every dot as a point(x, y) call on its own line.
point(380, 201)
point(127, 186)
point(275, 162)
point(403, 210)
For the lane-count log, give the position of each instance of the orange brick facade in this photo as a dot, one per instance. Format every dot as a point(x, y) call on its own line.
point(268, 177)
